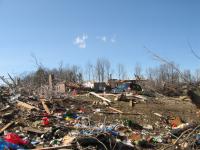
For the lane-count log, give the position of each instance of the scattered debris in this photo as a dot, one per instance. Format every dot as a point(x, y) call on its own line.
point(72, 121)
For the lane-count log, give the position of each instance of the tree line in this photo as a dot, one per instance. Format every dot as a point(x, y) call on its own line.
point(166, 74)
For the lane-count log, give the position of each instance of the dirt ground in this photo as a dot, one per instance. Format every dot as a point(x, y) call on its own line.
point(165, 106)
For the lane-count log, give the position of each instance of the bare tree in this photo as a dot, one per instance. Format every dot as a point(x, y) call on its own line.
point(36, 61)
point(98, 69)
point(197, 75)
point(192, 51)
point(107, 68)
point(6, 81)
point(89, 69)
point(74, 74)
point(168, 74)
point(60, 70)
point(150, 73)
point(162, 60)
point(138, 71)
point(102, 69)
point(187, 74)
point(121, 71)
point(40, 77)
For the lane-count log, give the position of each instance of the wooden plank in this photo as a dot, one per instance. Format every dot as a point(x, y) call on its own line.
point(25, 105)
point(29, 129)
point(114, 109)
point(107, 94)
point(45, 106)
point(6, 126)
point(98, 96)
point(55, 148)
point(116, 113)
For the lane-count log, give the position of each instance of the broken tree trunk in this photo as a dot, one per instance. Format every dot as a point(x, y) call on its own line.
point(14, 83)
point(6, 81)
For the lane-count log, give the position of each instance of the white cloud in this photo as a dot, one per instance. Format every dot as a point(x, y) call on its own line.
point(113, 39)
point(107, 39)
point(80, 41)
point(102, 38)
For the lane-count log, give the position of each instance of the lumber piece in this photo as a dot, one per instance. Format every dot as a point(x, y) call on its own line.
point(6, 126)
point(114, 109)
point(29, 129)
point(45, 106)
point(25, 105)
point(116, 113)
point(101, 97)
point(55, 148)
point(108, 94)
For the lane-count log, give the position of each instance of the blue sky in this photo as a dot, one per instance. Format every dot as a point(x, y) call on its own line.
point(78, 31)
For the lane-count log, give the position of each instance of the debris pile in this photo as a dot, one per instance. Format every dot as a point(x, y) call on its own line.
point(100, 121)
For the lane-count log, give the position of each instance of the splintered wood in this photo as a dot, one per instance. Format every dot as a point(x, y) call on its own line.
point(6, 127)
point(45, 106)
point(26, 106)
